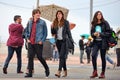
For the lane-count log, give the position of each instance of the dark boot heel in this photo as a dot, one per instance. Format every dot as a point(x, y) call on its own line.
point(65, 73)
point(5, 70)
point(94, 74)
point(102, 75)
point(28, 75)
point(58, 74)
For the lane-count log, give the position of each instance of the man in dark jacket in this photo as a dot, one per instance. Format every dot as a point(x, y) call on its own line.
point(81, 46)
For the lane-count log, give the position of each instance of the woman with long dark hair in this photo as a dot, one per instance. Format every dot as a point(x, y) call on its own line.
point(100, 32)
point(60, 30)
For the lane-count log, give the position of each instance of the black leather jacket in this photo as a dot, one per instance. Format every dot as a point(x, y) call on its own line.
point(65, 33)
point(104, 34)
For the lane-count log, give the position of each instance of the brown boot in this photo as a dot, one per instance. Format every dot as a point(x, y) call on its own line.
point(58, 74)
point(65, 73)
point(94, 74)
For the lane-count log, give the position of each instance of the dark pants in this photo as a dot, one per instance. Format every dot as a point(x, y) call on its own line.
point(88, 55)
point(27, 64)
point(32, 50)
point(10, 55)
point(98, 46)
point(118, 56)
point(88, 52)
point(61, 45)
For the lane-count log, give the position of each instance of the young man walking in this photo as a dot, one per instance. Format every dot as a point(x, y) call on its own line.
point(36, 34)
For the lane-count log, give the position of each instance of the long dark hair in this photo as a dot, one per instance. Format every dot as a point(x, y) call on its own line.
point(95, 20)
point(55, 22)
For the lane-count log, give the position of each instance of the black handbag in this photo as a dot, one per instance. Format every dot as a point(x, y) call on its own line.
point(70, 43)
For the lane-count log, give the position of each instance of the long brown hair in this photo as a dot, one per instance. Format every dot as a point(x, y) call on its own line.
point(56, 22)
point(95, 20)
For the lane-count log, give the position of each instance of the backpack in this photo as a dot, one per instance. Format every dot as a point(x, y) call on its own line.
point(112, 39)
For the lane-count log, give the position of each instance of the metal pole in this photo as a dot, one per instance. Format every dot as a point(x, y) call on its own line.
point(91, 11)
point(37, 4)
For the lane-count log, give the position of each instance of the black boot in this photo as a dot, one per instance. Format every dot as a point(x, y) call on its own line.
point(29, 74)
point(5, 70)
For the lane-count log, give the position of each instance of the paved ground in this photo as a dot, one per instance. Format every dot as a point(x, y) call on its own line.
point(76, 71)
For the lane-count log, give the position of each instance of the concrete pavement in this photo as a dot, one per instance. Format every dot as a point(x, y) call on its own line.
point(76, 71)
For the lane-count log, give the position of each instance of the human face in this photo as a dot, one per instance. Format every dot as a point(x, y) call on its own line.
point(99, 16)
point(19, 20)
point(36, 15)
point(59, 15)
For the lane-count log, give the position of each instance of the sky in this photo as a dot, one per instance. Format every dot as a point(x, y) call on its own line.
point(79, 13)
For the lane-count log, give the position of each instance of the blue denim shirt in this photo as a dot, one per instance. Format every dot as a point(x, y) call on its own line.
point(41, 30)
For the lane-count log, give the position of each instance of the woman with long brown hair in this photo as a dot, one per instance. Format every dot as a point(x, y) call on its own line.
point(100, 32)
point(60, 30)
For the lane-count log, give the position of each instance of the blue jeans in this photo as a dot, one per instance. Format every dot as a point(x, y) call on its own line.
point(109, 59)
point(10, 55)
point(55, 55)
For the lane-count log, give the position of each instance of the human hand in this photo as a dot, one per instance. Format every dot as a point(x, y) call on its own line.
point(96, 33)
point(28, 40)
point(40, 42)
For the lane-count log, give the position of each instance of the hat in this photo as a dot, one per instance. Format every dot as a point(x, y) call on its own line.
point(90, 38)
